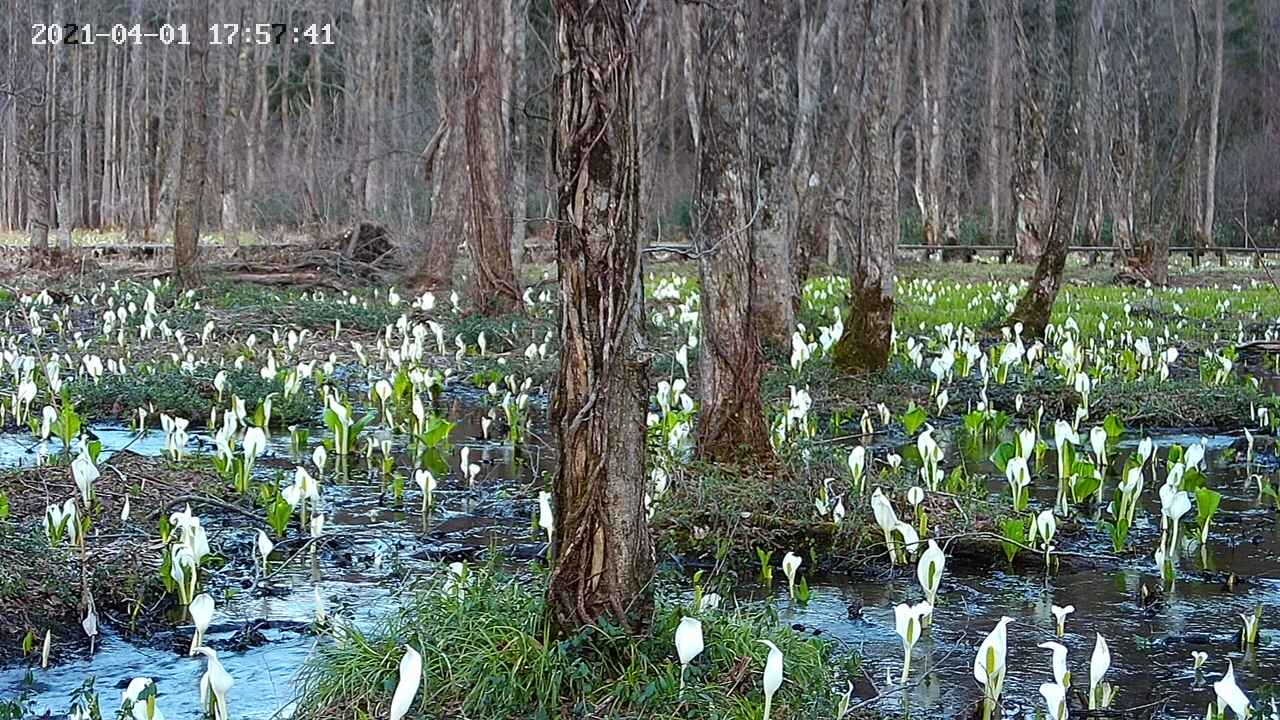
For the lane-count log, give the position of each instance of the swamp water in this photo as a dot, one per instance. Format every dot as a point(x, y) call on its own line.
point(375, 547)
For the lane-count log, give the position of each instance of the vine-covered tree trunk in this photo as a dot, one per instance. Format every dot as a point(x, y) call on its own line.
point(868, 329)
point(603, 551)
point(191, 176)
point(493, 290)
point(731, 423)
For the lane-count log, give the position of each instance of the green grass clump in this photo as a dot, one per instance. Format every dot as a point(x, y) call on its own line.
point(489, 654)
point(189, 395)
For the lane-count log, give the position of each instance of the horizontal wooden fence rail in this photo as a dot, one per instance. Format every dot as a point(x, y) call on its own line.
point(665, 250)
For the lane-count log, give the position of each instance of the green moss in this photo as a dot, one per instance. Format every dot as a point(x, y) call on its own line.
point(488, 655)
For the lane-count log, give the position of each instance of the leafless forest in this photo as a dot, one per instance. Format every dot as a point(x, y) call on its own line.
point(1157, 120)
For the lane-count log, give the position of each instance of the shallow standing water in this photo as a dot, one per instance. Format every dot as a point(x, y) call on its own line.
point(1150, 646)
point(377, 547)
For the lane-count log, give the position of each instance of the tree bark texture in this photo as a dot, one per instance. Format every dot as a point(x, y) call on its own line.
point(493, 288)
point(519, 131)
point(36, 159)
point(1034, 97)
point(731, 424)
point(603, 551)
point(933, 23)
point(1211, 153)
point(1035, 307)
point(868, 329)
point(188, 211)
point(444, 162)
point(806, 194)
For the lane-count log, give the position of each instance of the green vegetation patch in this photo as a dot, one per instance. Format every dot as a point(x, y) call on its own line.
point(487, 652)
point(189, 395)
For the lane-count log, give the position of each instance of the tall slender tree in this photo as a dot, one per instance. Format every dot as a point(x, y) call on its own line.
point(1035, 306)
point(603, 551)
point(188, 211)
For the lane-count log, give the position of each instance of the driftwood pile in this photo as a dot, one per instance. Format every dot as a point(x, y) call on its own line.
point(364, 252)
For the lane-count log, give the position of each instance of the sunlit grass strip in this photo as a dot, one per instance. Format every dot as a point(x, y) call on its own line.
point(486, 654)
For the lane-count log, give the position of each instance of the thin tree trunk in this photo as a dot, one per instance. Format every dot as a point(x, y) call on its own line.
point(804, 195)
point(1211, 154)
point(444, 163)
point(935, 23)
point(360, 102)
point(731, 424)
point(191, 181)
point(868, 327)
point(995, 58)
point(1035, 307)
point(603, 552)
point(494, 289)
point(1029, 169)
point(519, 133)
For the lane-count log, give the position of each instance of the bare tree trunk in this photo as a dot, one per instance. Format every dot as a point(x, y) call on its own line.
point(444, 160)
point(191, 181)
point(775, 295)
point(933, 30)
point(868, 329)
point(803, 197)
point(1211, 154)
point(731, 424)
point(651, 74)
point(37, 161)
point(1035, 307)
point(603, 552)
point(360, 87)
point(995, 14)
point(1029, 169)
point(494, 289)
point(519, 132)
point(1191, 111)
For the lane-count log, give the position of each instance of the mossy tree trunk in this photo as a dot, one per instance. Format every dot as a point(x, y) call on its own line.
point(868, 329)
point(493, 290)
point(188, 210)
point(603, 552)
point(731, 424)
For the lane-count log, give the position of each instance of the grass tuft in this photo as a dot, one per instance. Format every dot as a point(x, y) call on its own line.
point(489, 654)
